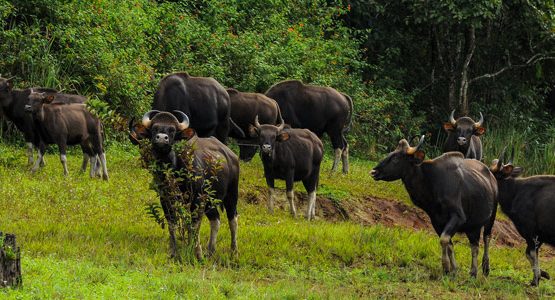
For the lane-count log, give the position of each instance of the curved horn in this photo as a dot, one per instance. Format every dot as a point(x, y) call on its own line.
point(512, 157)
point(412, 150)
point(452, 117)
point(281, 124)
point(146, 118)
point(479, 123)
point(182, 119)
point(256, 123)
point(501, 159)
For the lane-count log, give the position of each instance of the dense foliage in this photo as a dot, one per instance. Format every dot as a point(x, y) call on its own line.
point(405, 63)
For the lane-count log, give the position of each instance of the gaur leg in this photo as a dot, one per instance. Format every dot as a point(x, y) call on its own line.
point(222, 131)
point(445, 239)
point(487, 237)
point(42, 148)
point(289, 182)
point(474, 239)
point(310, 184)
point(194, 230)
point(214, 217)
point(451, 253)
point(337, 141)
point(96, 141)
point(230, 205)
point(345, 157)
point(271, 197)
point(171, 218)
point(102, 157)
point(62, 146)
point(30, 158)
point(532, 255)
point(87, 152)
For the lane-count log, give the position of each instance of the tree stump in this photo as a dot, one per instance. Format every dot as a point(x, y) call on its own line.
point(10, 261)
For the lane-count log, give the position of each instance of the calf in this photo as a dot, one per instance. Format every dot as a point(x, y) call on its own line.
point(67, 124)
point(193, 169)
point(291, 155)
point(463, 135)
point(530, 203)
point(459, 195)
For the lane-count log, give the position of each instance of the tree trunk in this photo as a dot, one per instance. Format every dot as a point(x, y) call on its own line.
point(470, 40)
point(10, 261)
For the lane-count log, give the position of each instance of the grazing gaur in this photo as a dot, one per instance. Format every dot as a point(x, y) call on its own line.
point(459, 195)
point(319, 109)
point(291, 155)
point(67, 124)
point(12, 103)
point(530, 203)
point(244, 108)
point(463, 135)
point(209, 156)
point(202, 98)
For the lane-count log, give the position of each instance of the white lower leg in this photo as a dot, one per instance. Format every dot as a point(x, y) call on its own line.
point(233, 228)
point(291, 199)
point(474, 267)
point(271, 201)
point(214, 228)
point(37, 163)
point(104, 167)
point(311, 212)
point(30, 159)
point(63, 159)
point(336, 159)
point(92, 172)
point(444, 240)
point(345, 159)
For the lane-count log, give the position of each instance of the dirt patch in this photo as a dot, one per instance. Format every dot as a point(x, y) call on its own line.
point(372, 211)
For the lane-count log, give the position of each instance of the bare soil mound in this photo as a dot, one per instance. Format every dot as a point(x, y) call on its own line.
point(372, 210)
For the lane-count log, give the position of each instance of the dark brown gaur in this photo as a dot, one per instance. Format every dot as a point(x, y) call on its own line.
point(291, 155)
point(459, 195)
point(463, 135)
point(530, 204)
point(163, 129)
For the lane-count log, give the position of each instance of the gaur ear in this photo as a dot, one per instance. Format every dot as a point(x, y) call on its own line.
point(517, 171)
point(419, 156)
point(448, 126)
point(253, 131)
point(479, 130)
point(507, 170)
point(137, 133)
point(282, 136)
point(186, 134)
point(49, 98)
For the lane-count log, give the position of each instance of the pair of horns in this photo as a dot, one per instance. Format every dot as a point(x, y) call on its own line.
point(477, 124)
point(501, 160)
point(412, 150)
point(280, 126)
point(182, 119)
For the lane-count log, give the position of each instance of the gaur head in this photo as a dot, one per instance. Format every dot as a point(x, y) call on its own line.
point(395, 165)
point(267, 136)
point(504, 170)
point(6, 86)
point(464, 128)
point(37, 99)
point(162, 128)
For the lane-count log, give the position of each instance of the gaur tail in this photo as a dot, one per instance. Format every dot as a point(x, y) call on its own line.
point(350, 117)
point(280, 117)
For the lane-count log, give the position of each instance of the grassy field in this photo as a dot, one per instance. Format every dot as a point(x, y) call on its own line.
point(90, 239)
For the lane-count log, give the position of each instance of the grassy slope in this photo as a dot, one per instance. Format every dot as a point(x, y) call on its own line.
point(85, 238)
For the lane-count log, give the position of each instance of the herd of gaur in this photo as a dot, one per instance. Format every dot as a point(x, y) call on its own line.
point(457, 191)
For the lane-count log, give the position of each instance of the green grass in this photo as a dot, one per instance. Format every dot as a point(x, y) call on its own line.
point(90, 239)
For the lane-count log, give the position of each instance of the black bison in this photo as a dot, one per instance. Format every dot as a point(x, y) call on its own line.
point(459, 195)
point(244, 108)
point(291, 155)
point(463, 135)
point(67, 124)
point(202, 98)
point(530, 204)
point(208, 156)
point(319, 109)
point(13, 101)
